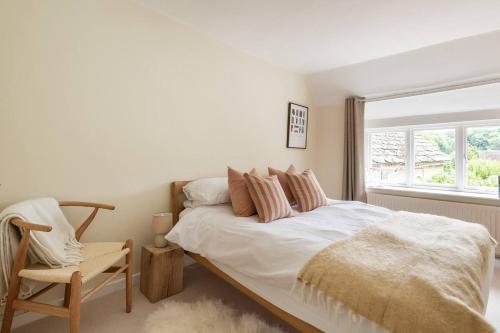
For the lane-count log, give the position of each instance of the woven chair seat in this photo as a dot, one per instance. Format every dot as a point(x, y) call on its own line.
point(98, 257)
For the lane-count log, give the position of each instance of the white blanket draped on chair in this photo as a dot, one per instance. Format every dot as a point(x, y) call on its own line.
point(57, 248)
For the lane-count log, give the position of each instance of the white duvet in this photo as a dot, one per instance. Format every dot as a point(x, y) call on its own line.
point(270, 252)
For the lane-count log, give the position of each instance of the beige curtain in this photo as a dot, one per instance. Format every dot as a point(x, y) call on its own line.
point(353, 187)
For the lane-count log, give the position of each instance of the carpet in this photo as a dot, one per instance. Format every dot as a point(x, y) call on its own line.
point(208, 316)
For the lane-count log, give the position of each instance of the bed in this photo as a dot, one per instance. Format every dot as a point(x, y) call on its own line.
point(266, 270)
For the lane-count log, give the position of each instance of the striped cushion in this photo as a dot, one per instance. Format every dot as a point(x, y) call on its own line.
point(306, 190)
point(268, 197)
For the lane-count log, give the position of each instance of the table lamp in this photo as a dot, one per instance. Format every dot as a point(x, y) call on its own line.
point(162, 223)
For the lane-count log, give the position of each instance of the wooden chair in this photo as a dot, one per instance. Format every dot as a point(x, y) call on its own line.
point(99, 258)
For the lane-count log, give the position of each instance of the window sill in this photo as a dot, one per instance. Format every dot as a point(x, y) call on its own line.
point(432, 194)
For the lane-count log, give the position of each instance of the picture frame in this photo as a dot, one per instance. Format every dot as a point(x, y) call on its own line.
point(298, 120)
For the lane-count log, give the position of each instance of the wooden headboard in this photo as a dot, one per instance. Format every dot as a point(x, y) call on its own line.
point(177, 198)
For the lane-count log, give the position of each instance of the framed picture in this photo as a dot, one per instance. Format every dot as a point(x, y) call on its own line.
point(297, 126)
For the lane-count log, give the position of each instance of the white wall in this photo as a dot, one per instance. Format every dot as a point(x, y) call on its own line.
point(105, 100)
point(330, 149)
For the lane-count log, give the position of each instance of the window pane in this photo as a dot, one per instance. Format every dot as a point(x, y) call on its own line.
point(387, 158)
point(483, 157)
point(435, 157)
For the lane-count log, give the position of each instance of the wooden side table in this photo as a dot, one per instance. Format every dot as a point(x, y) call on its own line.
point(161, 271)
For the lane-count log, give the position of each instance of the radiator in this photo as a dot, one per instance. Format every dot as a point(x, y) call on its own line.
point(489, 216)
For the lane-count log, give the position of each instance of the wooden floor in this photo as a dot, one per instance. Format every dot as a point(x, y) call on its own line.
point(107, 314)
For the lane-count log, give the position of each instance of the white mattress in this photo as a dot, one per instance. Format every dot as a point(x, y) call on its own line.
point(266, 258)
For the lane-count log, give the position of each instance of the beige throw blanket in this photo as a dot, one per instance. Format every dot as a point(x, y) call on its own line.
point(409, 273)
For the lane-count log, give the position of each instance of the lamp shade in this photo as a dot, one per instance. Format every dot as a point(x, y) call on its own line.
point(162, 223)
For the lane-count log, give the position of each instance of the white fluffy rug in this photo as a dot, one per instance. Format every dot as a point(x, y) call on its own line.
point(207, 316)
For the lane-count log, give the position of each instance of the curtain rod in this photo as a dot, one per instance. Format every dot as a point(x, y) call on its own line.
point(431, 90)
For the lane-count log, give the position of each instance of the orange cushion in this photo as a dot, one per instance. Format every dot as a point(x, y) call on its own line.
point(284, 181)
point(240, 198)
point(306, 190)
point(268, 197)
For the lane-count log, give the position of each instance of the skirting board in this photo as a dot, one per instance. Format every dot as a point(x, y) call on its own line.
point(23, 318)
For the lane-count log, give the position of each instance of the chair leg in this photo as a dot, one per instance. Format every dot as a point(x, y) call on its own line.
point(9, 311)
point(67, 294)
point(128, 275)
point(75, 302)
point(15, 281)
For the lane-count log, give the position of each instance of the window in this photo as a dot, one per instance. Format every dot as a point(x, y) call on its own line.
point(435, 157)
point(460, 157)
point(387, 163)
point(483, 157)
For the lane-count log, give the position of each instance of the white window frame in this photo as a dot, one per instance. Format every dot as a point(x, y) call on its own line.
point(460, 155)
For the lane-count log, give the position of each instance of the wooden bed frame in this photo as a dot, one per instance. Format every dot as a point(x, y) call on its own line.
point(176, 200)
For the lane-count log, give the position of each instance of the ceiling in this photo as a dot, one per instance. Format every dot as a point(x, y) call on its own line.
point(318, 35)
point(479, 98)
point(463, 60)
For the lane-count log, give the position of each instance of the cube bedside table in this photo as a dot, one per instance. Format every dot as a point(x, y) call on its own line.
point(161, 271)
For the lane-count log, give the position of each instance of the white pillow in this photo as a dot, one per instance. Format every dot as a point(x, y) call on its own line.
point(196, 203)
point(207, 191)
